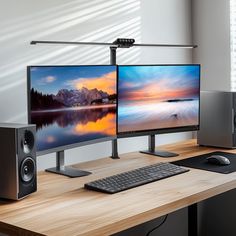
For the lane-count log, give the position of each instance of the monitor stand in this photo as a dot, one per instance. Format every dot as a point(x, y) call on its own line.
point(151, 149)
point(114, 146)
point(61, 169)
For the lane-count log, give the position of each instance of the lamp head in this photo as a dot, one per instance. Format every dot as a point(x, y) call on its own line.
point(124, 43)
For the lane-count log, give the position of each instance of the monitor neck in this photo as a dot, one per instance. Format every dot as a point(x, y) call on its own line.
point(60, 160)
point(151, 143)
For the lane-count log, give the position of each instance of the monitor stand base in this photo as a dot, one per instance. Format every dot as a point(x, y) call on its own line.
point(160, 153)
point(68, 171)
point(151, 149)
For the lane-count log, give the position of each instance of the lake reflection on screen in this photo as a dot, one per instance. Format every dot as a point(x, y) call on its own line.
point(62, 127)
point(157, 114)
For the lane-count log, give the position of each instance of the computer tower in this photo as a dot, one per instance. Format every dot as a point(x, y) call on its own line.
point(17, 160)
point(217, 119)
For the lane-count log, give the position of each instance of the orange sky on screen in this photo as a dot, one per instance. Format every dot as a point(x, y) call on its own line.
point(158, 92)
point(106, 83)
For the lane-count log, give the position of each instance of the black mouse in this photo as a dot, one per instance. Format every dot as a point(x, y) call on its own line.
point(218, 160)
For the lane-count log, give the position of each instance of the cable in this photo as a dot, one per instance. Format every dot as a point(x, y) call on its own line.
point(158, 226)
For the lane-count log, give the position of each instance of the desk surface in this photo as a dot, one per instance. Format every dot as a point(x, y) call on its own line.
point(62, 207)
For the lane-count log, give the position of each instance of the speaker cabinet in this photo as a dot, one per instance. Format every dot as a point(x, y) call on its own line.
point(18, 176)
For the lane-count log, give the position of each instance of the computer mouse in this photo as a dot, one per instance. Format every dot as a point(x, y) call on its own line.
point(218, 160)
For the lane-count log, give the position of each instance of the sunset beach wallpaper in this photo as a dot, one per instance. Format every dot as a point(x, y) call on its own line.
point(157, 97)
point(72, 104)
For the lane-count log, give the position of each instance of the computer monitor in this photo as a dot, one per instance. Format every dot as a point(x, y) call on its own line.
point(155, 99)
point(71, 106)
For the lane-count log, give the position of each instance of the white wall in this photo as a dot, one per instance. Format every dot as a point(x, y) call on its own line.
point(211, 32)
point(149, 21)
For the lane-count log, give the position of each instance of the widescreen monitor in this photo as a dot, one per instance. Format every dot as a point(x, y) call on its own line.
point(156, 99)
point(72, 105)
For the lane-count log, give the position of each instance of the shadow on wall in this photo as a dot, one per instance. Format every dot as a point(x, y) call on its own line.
point(78, 20)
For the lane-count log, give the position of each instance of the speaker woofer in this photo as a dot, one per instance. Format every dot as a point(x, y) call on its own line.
point(28, 142)
point(27, 170)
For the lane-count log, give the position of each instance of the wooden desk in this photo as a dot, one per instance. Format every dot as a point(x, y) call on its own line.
point(62, 207)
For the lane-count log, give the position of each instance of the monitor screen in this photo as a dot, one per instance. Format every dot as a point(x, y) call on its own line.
point(72, 105)
point(158, 98)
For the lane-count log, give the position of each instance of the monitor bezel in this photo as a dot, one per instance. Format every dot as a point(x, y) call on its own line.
point(73, 145)
point(136, 133)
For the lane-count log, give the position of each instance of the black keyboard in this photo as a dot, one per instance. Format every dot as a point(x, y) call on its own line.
point(134, 178)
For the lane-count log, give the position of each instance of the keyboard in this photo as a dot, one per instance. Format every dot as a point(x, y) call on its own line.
point(135, 178)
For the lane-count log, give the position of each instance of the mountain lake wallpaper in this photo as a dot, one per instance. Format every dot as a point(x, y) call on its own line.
point(72, 104)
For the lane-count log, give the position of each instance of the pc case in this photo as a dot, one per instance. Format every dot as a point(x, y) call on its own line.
point(217, 119)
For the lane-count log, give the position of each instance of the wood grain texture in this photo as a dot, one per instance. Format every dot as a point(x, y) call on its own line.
point(62, 207)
